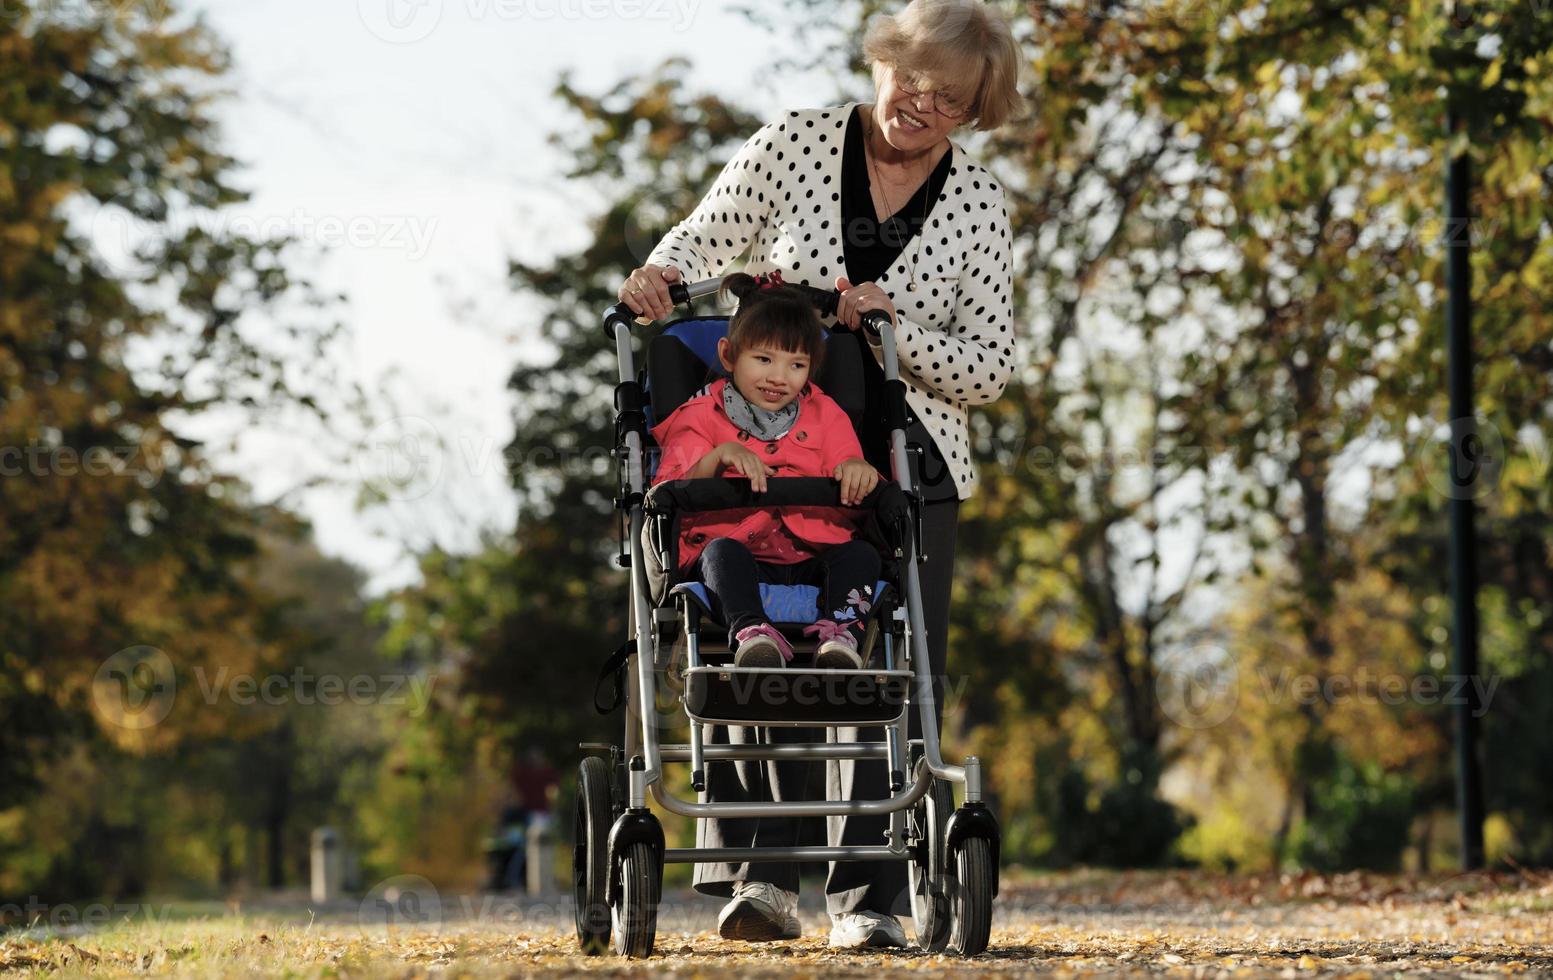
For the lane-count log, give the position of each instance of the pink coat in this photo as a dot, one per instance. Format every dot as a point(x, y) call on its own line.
point(822, 438)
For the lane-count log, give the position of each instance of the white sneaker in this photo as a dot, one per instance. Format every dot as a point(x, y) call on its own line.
point(760, 912)
point(850, 930)
point(838, 646)
point(761, 645)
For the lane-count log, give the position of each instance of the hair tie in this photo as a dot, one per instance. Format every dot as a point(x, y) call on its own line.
point(770, 280)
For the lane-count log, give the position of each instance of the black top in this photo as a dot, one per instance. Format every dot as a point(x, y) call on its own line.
point(870, 248)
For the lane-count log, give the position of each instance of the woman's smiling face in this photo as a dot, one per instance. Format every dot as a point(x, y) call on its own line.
point(767, 377)
point(913, 123)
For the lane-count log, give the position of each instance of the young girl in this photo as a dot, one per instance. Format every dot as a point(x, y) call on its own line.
point(769, 420)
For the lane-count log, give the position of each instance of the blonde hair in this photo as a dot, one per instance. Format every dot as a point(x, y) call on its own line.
point(944, 39)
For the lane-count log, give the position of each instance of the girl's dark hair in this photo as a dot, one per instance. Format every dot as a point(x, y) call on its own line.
point(777, 316)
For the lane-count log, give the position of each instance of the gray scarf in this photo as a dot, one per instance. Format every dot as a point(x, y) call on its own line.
point(763, 425)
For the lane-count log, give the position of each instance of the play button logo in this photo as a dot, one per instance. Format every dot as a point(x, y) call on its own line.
point(400, 21)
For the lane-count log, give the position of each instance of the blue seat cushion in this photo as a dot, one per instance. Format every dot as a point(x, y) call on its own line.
point(785, 605)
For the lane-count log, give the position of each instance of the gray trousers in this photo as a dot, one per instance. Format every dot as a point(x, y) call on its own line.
point(850, 886)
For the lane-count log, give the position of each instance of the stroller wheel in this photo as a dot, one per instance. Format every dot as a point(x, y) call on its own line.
point(976, 880)
point(636, 917)
point(932, 883)
point(590, 856)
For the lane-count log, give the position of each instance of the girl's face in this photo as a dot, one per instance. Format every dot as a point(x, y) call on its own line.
point(769, 378)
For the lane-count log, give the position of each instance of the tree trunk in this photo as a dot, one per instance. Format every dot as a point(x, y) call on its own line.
point(279, 808)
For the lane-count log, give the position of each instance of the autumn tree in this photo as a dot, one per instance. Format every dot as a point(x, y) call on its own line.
point(128, 306)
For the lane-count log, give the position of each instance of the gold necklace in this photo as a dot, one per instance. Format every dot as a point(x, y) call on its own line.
point(911, 281)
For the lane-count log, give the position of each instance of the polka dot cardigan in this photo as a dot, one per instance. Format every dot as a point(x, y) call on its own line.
point(954, 336)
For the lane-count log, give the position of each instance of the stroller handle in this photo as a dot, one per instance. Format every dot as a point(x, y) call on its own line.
point(680, 293)
point(826, 300)
point(887, 500)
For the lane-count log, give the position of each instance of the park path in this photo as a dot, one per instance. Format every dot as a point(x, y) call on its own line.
point(1100, 923)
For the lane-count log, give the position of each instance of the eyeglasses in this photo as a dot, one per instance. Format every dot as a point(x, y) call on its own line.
point(917, 87)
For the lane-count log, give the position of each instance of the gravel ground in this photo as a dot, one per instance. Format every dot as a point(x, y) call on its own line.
point(1185, 924)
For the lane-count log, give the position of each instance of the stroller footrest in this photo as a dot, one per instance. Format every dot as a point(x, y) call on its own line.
point(780, 750)
point(795, 696)
point(734, 855)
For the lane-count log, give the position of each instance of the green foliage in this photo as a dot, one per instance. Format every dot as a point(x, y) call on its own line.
point(1228, 255)
point(115, 530)
point(1227, 230)
point(528, 622)
point(1123, 824)
point(1363, 819)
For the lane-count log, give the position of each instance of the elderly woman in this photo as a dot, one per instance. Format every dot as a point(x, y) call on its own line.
point(877, 199)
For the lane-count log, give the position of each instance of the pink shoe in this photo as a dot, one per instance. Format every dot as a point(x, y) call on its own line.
point(838, 646)
point(761, 645)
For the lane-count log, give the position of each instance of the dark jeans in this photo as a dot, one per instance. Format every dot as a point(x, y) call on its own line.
point(734, 576)
point(851, 886)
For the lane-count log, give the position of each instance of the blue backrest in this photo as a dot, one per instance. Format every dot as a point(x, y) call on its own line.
point(673, 377)
point(701, 336)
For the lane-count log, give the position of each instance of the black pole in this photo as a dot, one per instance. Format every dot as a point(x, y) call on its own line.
point(1463, 546)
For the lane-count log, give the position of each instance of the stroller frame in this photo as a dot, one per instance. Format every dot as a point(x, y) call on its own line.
point(617, 881)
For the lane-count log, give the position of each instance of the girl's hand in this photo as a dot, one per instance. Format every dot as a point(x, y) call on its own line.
point(860, 299)
point(646, 291)
point(857, 479)
point(740, 459)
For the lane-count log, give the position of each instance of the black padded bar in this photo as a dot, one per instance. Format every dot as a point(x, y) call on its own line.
point(628, 409)
point(887, 499)
point(733, 493)
point(895, 405)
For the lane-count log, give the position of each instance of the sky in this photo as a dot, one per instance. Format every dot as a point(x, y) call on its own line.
point(404, 143)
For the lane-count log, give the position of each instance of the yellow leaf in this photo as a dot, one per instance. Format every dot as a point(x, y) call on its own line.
point(1491, 77)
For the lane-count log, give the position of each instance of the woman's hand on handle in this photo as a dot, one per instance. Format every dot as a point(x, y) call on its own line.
point(646, 291)
point(857, 300)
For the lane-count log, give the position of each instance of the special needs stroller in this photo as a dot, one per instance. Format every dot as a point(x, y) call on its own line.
point(619, 852)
